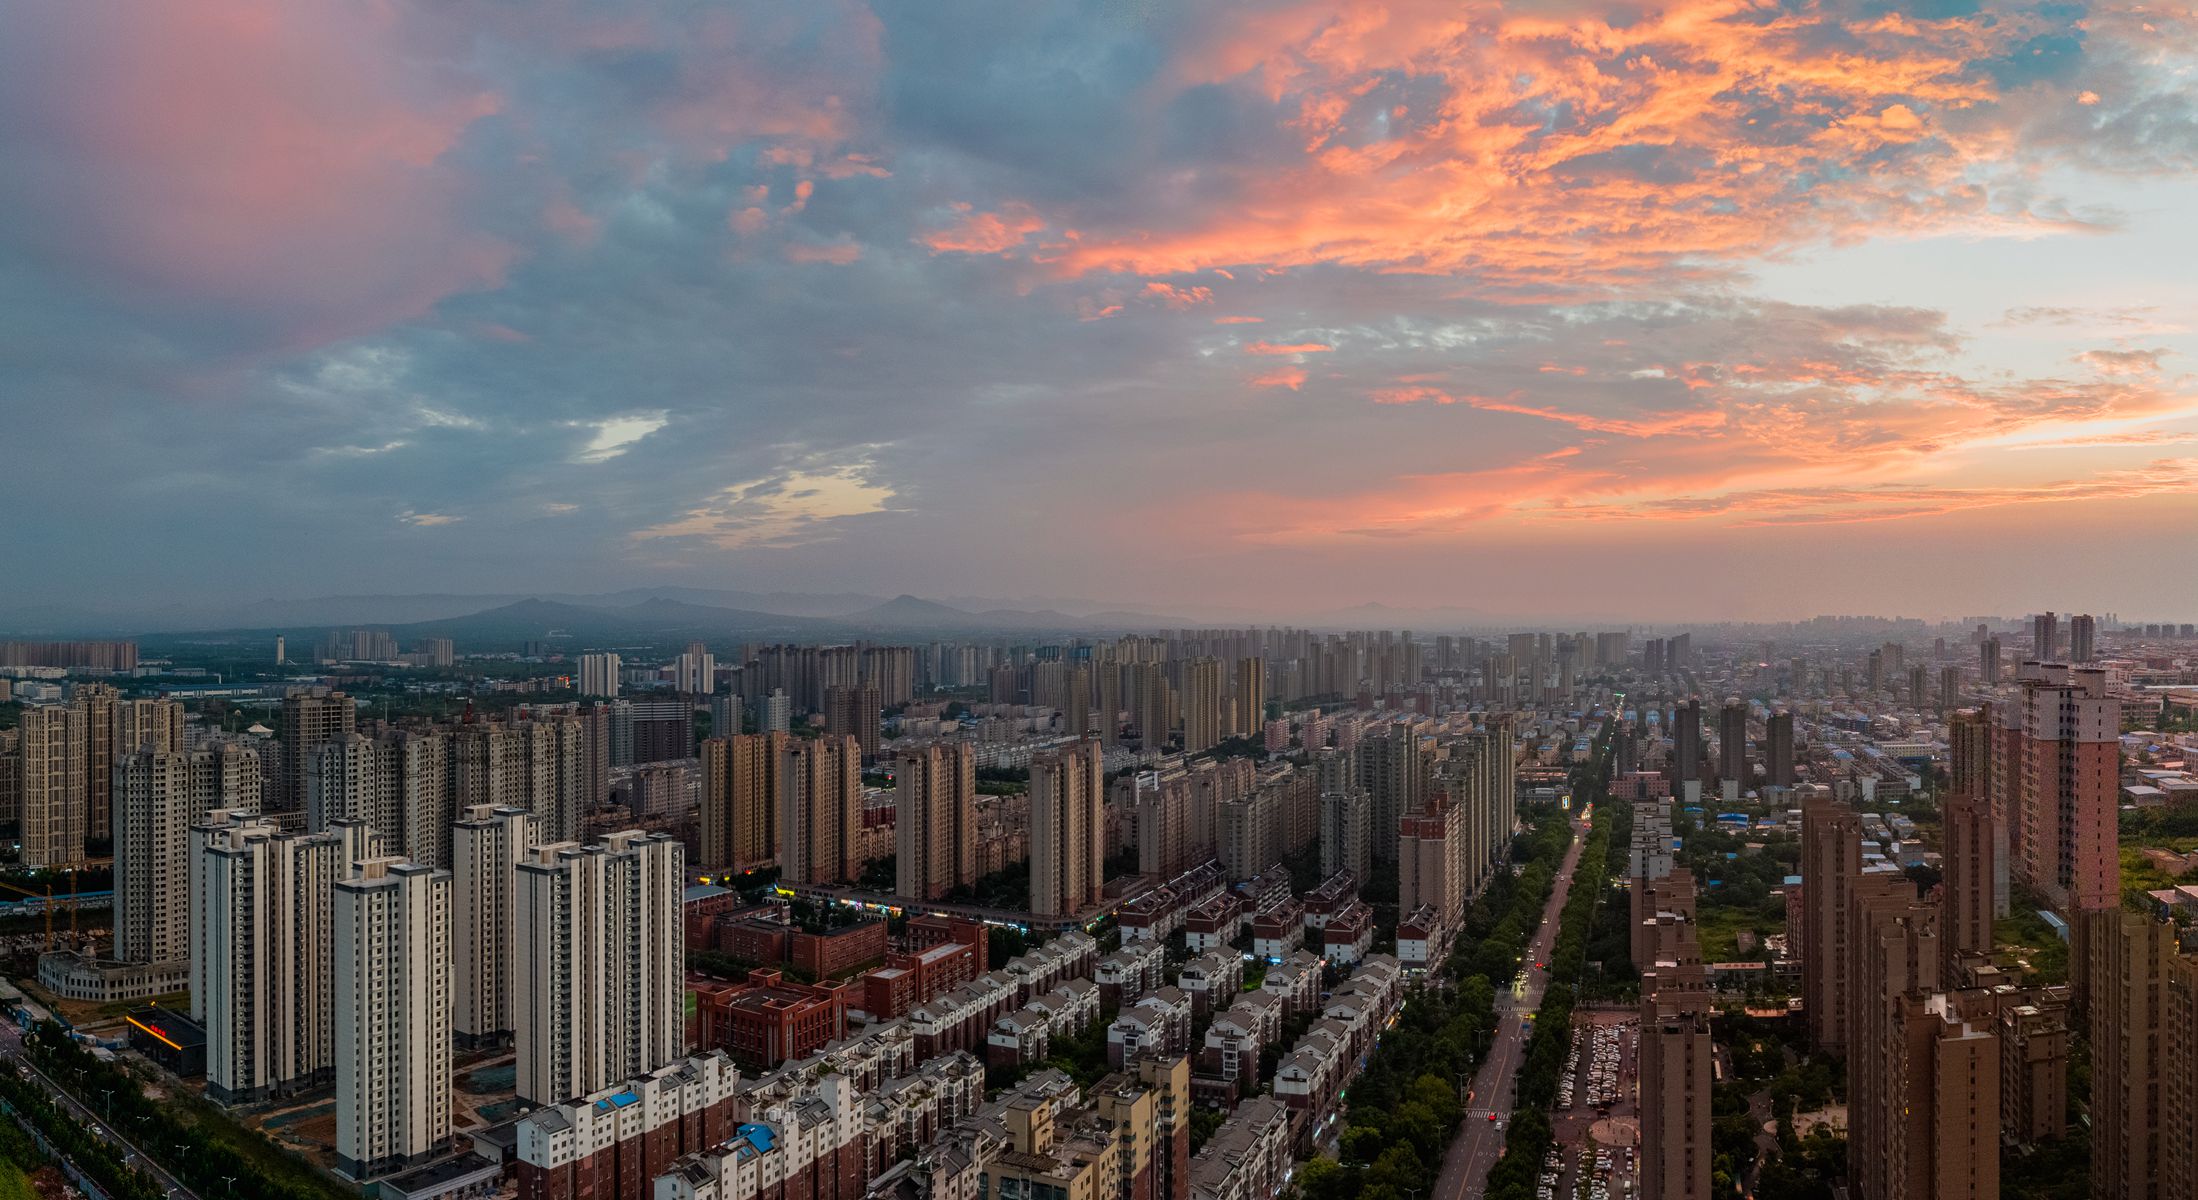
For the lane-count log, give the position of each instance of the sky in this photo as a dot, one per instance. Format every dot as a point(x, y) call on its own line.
point(1717, 309)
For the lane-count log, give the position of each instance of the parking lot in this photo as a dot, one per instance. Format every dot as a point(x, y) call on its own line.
point(1596, 1117)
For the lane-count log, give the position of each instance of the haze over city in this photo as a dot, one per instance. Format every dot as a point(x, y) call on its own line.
point(1229, 309)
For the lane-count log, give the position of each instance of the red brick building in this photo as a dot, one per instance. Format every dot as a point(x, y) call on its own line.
point(613, 1145)
point(838, 952)
point(907, 980)
point(765, 1019)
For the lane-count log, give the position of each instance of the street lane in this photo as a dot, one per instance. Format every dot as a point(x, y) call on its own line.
point(1477, 1147)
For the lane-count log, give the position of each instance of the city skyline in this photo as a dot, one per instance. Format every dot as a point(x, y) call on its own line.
point(1546, 311)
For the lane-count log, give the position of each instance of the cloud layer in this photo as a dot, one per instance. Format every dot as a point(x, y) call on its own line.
point(1205, 302)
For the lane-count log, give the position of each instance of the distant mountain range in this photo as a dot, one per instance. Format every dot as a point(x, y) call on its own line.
point(657, 613)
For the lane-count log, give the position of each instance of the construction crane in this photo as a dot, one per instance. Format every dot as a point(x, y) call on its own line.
point(50, 904)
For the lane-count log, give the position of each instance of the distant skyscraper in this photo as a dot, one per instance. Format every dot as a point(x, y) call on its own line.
point(1251, 696)
point(1988, 661)
point(392, 1016)
point(851, 710)
point(600, 959)
point(1201, 703)
point(1732, 742)
point(1949, 688)
point(2045, 637)
point(1686, 745)
point(1151, 703)
point(487, 845)
point(599, 675)
point(934, 820)
point(694, 673)
point(1778, 748)
point(1068, 837)
point(774, 713)
point(2083, 637)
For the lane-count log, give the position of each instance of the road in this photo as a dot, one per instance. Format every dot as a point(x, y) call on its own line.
point(11, 1049)
point(1477, 1147)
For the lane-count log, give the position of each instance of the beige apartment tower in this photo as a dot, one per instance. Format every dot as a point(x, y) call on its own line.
point(935, 820)
point(599, 960)
point(392, 1016)
point(740, 800)
point(1068, 836)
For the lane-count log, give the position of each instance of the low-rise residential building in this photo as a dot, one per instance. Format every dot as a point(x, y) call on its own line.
point(609, 1145)
point(1279, 930)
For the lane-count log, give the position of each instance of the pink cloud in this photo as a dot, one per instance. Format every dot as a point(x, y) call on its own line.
point(1288, 348)
point(1238, 320)
point(1178, 298)
point(1284, 377)
point(837, 253)
point(284, 161)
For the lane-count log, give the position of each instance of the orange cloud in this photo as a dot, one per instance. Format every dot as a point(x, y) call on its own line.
point(985, 232)
point(1238, 320)
point(1175, 297)
point(1284, 377)
point(1288, 348)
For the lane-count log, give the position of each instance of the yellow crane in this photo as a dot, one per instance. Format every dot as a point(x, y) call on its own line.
point(51, 903)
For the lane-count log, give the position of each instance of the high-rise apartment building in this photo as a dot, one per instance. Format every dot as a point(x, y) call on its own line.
point(1686, 746)
point(2126, 959)
point(819, 785)
point(1162, 809)
point(852, 711)
point(1346, 833)
point(1250, 696)
point(1924, 1094)
point(1675, 1054)
point(1202, 704)
point(261, 928)
point(99, 704)
point(1732, 742)
point(774, 713)
point(487, 845)
point(1151, 703)
point(740, 800)
point(398, 782)
point(159, 796)
point(1988, 661)
point(1397, 772)
point(1969, 897)
point(694, 673)
point(53, 750)
point(2045, 637)
point(1068, 835)
point(649, 731)
point(2061, 738)
point(310, 716)
point(1778, 748)
point(1831, 862)
point(392, 1016)
point(599, 676)
point(935, 820)
point(600, 950)
point(2083, 638)
point(1431, 867)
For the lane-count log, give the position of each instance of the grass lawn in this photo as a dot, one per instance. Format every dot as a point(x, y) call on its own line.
point(14, 1184)
point(1718, 929)
point(268, 1159)
point(2026, 941)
